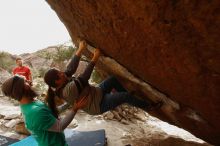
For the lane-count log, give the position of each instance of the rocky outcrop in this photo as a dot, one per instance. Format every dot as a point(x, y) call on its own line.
point(171, 45)
point(38, 61)
point(4, 75)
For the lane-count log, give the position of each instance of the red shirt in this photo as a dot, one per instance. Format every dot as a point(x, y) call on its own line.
point(24, 71)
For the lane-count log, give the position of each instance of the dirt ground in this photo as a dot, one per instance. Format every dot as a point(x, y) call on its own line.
point(151, 132)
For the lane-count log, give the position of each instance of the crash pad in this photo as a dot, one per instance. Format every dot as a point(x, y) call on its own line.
point(73, 138)
point(5, 141)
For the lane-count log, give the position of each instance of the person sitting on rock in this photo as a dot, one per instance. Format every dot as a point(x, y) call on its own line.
point(39, 119)
point(99, 99)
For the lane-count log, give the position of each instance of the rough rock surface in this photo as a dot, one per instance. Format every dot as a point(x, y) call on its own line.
point(172, 45)
point(4, 75)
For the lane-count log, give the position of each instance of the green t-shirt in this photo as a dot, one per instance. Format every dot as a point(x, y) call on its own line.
point(38, 118)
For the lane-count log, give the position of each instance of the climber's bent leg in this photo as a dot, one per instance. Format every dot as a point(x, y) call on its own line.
point(110, 101)
point(111, 83)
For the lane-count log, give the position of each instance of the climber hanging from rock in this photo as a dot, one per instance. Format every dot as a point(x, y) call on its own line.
point(99, 99)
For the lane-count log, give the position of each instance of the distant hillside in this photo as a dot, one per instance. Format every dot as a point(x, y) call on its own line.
point(7, 61)
point(40, 61)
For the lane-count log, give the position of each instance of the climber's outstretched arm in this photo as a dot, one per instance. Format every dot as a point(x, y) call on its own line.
point(72, 66)
point(84, 77)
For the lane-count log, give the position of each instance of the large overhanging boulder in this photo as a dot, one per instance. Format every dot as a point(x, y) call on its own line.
point(168, 50)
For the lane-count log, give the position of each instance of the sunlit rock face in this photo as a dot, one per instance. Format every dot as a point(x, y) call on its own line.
point(171, 45)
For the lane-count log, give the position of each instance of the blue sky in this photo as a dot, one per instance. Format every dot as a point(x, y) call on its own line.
point(28, 26)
